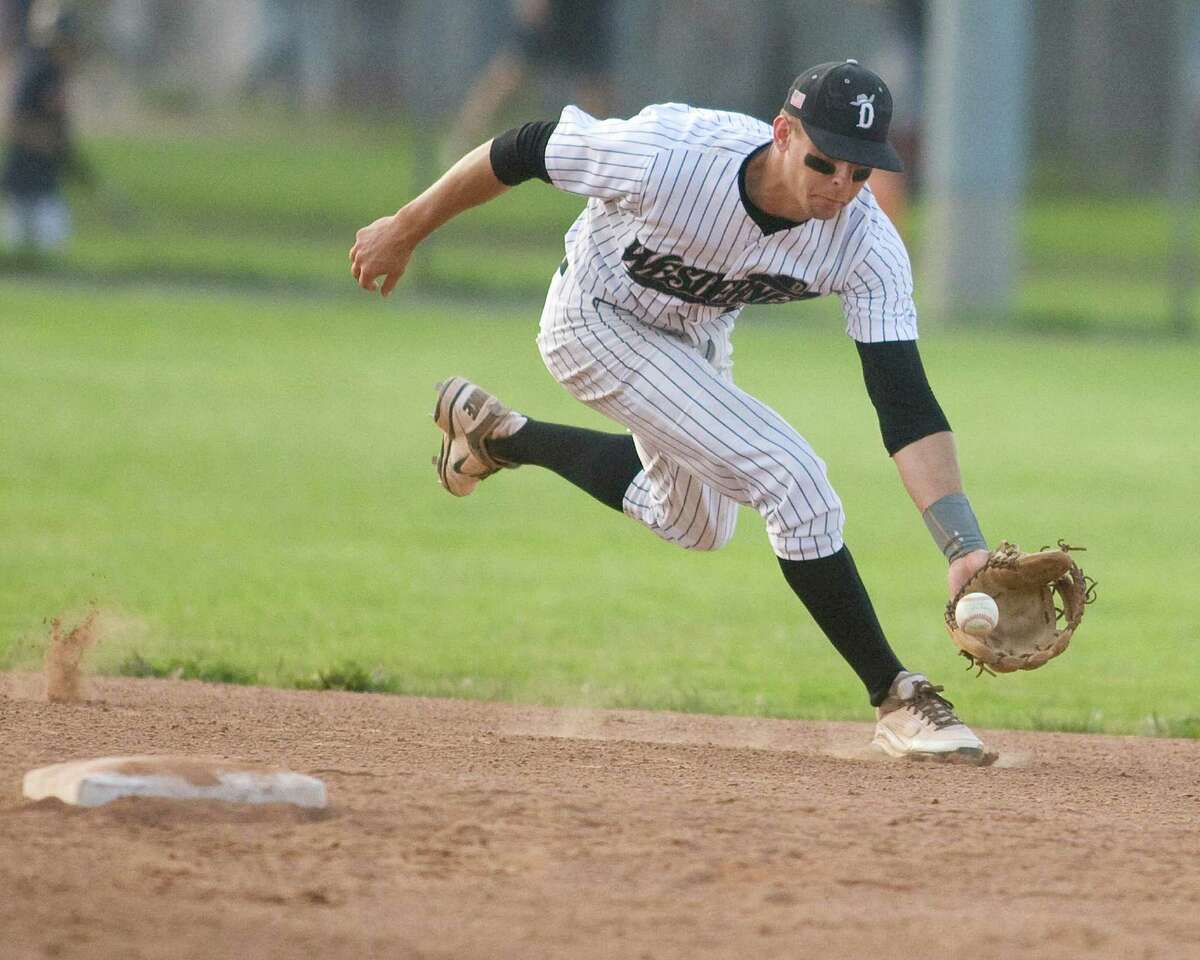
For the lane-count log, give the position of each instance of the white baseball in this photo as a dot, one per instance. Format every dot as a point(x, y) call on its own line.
point(977, 614)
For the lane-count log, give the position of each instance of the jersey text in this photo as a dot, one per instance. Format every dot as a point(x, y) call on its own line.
point(667, 273)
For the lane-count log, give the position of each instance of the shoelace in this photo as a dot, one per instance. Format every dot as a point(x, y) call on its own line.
point(936, 709)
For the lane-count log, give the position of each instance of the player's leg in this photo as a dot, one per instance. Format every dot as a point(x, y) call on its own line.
point(693, 424)
point(911, 716)
point(835, 596)
point(601, 464)
point(481, 436)
point(675, 504)
point(699, 432)
point(675, 398)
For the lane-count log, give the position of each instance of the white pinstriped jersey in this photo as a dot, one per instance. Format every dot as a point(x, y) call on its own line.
point(668, 234)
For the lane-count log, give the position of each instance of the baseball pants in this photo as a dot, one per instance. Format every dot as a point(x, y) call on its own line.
point(705, 445)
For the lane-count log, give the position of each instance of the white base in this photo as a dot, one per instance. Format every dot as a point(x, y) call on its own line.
point(90, 783)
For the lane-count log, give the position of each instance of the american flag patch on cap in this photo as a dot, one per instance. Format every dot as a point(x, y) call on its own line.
point(796, 99)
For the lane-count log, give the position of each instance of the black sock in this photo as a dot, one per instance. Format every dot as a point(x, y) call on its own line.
point(603, 464)
point(834, 594)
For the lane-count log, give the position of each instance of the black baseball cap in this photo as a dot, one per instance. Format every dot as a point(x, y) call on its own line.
point(845, 110)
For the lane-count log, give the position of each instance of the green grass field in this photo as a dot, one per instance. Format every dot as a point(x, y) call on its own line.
point(209, 436)
point(240, 483)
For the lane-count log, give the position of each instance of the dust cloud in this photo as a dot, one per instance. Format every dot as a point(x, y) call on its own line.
point(65, 681)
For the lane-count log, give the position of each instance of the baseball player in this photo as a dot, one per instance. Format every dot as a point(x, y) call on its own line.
point(691, 214)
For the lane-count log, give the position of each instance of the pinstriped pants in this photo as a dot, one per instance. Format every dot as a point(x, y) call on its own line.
point(705, 445)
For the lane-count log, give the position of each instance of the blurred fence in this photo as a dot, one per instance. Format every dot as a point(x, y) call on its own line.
point(1114, 88)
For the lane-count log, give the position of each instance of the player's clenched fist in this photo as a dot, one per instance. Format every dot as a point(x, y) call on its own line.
point(381, 249)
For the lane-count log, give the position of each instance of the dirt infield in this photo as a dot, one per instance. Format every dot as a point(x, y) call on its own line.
point(471, 830)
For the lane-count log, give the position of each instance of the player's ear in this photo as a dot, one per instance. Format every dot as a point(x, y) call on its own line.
point(781, 129)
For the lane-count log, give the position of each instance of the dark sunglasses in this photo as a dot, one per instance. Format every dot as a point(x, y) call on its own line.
point(811, 160)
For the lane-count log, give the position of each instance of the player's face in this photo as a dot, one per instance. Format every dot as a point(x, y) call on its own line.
point(819, 182)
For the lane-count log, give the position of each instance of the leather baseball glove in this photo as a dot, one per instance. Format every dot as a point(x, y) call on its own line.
point(1041, 597)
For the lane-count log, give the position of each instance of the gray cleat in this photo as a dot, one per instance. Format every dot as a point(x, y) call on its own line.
point(468, 415)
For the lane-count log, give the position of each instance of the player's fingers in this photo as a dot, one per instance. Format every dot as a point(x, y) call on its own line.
point(389, 284)
point(367, 280)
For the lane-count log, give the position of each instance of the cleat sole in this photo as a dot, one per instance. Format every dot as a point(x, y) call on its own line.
point(443, 417)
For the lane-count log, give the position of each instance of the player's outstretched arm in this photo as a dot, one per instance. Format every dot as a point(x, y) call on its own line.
point(382, 249)
point(929, 469)
point(917, 436)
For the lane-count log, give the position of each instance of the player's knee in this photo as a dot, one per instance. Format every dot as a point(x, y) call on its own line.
point(714, 541)
point(716, 532)
point(807, 507)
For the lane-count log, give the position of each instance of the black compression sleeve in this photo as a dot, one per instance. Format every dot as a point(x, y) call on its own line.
point(898, 388)
point(519, 154)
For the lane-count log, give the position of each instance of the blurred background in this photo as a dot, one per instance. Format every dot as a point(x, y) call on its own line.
point(1051, 144)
